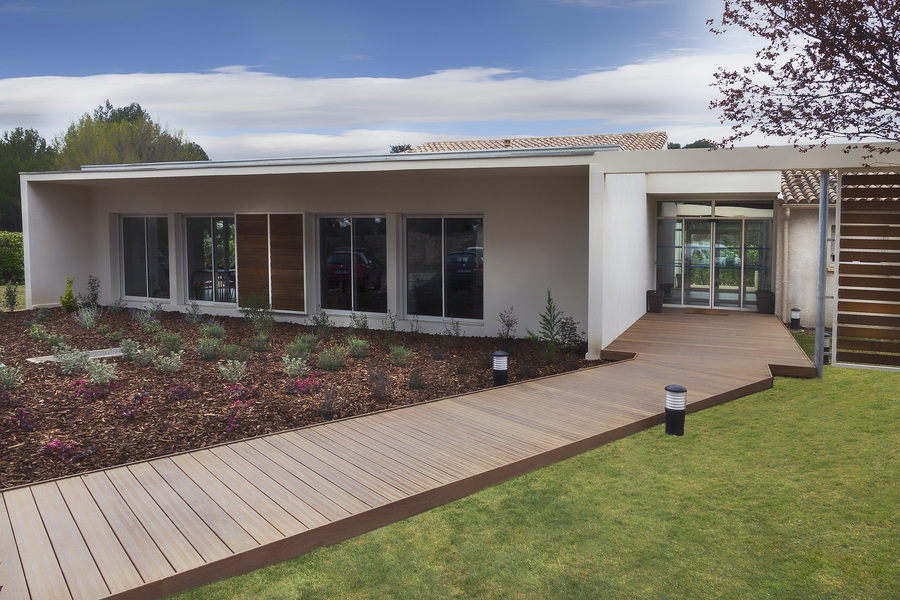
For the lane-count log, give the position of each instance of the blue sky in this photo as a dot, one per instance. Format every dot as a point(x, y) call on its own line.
point(269, 79)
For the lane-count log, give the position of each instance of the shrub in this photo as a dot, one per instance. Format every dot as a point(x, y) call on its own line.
point(130, 349)
point(156, 308)
point(100, 372)
point(302, 386)
point(170, 340)
point(212, 329)
point(116, 336)
point(389, 324)
point(7, 400)
point(332, 359)
point(37, 332)
point(570, 339)
point(22, 419)
point(67, 300)
point(302, 346)
point(87, 316)
point(359, 321)
point(10, 295)
point(258, 313)
point(508, 321)
point(233, 370)
point(66, 452)
point(322, 324)
point(261, 342)
point(325, 408)
point(357, 348)
point(130, 409)
point(146, 356)
point(452, 329)
point(380, 387)
point(548, 338)
point(144, 318)
point(193, 315)
point(180, 391)
point(242, 397)
point(71, 360)
point(12, 256)
point(169, 363)
point(9, 377)
point(209, 348)
point(417, 380)
point(116, 306)
point(55, 340)
point(400, 356)
point(294, 367)
point(92, 298)
point(43, 314)
point(235, 352)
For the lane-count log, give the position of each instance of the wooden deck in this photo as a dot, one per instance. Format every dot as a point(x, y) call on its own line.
point(150, 529)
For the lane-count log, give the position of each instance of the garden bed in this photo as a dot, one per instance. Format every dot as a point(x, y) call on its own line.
point(69, 426)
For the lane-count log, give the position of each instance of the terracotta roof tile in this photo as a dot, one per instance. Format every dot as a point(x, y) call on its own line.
point(801, 187)
point(655, 140)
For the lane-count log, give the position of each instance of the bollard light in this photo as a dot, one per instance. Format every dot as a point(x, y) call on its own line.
point(795, 318)
point(827, 349)
point(676, 397)
point(501, 368)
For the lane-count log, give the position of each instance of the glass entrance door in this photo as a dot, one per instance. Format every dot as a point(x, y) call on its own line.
point(714, 262)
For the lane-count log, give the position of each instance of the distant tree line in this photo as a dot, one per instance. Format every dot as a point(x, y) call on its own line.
point(696, 144)
point(110, 135)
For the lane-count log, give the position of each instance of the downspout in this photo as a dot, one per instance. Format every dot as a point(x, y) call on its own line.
point(823, 266)
point(785, 261)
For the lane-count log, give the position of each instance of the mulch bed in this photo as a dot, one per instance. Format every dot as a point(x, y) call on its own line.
point(86, 433)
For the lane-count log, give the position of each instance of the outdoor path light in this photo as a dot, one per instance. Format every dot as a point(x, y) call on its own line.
point(795, 318)
point(675, 402)
point(501, 368)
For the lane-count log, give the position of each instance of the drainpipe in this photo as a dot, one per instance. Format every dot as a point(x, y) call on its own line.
point(784, 263)
point(823, 267)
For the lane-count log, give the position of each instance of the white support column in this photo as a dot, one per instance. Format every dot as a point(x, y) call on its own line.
point(596, 194)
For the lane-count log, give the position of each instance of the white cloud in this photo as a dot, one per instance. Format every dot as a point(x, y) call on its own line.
point(236, 112)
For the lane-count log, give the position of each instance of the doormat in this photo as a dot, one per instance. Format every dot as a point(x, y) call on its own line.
point(707, 311)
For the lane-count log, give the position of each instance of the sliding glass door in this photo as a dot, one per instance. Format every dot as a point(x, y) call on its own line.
point(210, 259)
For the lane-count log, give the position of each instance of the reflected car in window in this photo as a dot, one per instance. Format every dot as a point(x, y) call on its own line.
point(340, 265)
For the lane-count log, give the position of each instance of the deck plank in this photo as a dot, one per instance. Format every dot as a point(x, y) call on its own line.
point(168, 524)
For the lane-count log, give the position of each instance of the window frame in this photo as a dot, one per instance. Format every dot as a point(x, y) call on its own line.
point(320, 259)
point(186, 258)
point(122, 262)
point(443, 217)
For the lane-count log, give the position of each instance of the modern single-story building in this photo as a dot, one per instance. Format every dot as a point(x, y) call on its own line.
point(432, 236)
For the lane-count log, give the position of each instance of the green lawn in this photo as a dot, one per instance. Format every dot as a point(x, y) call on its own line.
point(789, 493)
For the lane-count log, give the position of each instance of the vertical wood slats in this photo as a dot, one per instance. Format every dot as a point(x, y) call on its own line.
point(270, 257)
point(868, 293)
point(168, 524)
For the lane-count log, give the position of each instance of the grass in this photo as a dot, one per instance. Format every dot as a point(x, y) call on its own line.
point(789, 493)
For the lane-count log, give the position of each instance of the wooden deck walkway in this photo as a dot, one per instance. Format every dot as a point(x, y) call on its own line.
point(149, 529)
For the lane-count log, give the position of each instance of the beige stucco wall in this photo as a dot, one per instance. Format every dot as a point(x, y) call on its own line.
point(802, 265)
point(535, 220)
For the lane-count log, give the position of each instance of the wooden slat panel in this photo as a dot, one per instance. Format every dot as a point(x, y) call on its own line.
point(42, 571)
point(12, 578)
point(875, 193)
point(870, 218)
point(886, 360)
point(892, 283)
point(874, 178)
point(870, 206)
point(878, 308)
point(858, 269)
point(877, 333)
point(873, 320)
point(287, 263)
point(252, 248)
point(869, 231)
point(868, 345)
point(877, 295)
point(869, 257)
point(869, 244)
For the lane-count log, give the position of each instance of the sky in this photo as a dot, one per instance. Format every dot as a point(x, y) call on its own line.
point(299, 78)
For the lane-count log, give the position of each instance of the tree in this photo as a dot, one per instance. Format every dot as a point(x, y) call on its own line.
point(695, 144)
point(829, 69)
point(400, 148)
point(121, 136)
point(21, 150)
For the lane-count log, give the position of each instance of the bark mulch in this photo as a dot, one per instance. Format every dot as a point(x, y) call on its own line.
point(69, 427)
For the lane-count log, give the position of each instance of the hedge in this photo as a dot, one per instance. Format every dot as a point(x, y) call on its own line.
point(12, 257)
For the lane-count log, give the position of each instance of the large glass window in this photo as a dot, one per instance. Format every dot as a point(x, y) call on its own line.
point(145, 256)
point(210, 259)
point(445, 267)
point(353, 255)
